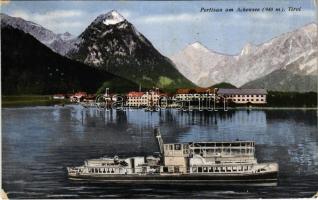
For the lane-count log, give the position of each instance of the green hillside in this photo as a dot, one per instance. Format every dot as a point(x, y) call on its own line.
point(224, 85)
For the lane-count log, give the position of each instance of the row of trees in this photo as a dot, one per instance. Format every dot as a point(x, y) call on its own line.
point(291, 99)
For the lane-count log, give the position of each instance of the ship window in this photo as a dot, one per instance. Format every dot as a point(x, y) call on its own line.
point(199, 169)
point(177, 147)
point(217, 169)
point(194, 170)
point(176, 169)
point(197, 151)
point(144, 169)
point(165, 169)
point(112, 171)
point(205, 169)
point(228, 169)
point(223, 169)
point(108, 170)
point(210, 169)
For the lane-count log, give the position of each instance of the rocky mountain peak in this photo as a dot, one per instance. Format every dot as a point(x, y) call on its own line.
point(60, 43)
point(113, 44)
point(247, 49)
point(294, 52)
point(111, 18)
point(310, 27)
point(67, 34)
point(198, 46)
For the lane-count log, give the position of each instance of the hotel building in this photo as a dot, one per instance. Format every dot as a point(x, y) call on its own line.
point(244, 96)
point(142, 99)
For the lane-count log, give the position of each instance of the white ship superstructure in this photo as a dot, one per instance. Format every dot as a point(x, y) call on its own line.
point(194, 161)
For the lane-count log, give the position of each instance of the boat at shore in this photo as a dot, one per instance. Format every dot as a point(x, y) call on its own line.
point(193, 162)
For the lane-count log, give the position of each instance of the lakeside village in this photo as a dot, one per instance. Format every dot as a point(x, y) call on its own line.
point(186, 99)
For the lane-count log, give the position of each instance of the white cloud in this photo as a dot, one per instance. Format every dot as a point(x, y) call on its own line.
point(57, 20)
point(287, 14)
point(51, 15)
point(262, 15)
point(303, 13)
point(171, 18)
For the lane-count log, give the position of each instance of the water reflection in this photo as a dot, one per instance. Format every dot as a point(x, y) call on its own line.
point(39, 142)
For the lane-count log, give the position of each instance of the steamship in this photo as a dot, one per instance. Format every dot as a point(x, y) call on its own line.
point(193, 162)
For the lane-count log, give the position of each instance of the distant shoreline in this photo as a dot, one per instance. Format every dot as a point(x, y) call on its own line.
point(47, 100)
point(21, 104)
point(276, 108)
point(29, 100)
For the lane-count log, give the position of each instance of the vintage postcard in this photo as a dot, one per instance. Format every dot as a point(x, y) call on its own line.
point(159, 99)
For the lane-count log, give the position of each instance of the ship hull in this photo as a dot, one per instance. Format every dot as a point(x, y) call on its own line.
point(183, 178)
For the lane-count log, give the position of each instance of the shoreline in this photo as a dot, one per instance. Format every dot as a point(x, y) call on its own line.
point(30, 100)
point(47, 100)
point(278, 108)
point(52, 103)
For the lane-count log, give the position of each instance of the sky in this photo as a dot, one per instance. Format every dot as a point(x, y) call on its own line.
point(172, 25)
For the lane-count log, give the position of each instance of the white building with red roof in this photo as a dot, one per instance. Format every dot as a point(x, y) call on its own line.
point(244, 96)
point(141, 99)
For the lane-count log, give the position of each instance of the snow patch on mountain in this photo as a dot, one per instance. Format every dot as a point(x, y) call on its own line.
point(113, 17)
point(200, 47)
point(110, 18)
point(247, 49)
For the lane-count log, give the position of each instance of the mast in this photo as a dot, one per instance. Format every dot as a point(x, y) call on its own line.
point(159, 140)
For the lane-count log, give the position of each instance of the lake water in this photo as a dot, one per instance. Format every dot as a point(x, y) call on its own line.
point(38, 143)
